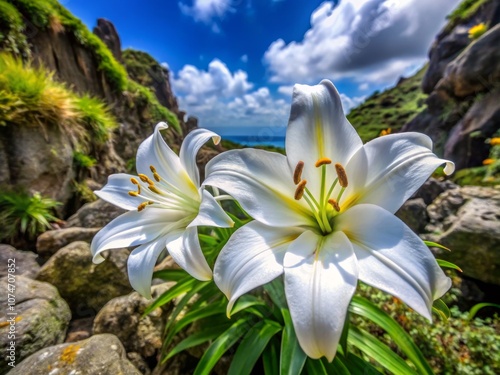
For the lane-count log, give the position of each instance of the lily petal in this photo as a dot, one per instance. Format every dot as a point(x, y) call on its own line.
point(320, 279)
point(262, 183)
point(134, 228)
point(252, 257)
point(184, 247)
point(189, 149)
point(116, 191)
point(211, 213)
point(317, 129)
point(390, 169)
point(155, 151)
point(141, 263)
point(392, 258)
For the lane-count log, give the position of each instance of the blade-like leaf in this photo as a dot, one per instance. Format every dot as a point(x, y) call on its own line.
point(446, 264)
point(474, 310)
point(183, 286)
point(292, 357)
point(380, 352)
point(170, 275)
point(209, 333)
point(363, 307)
point(220, 346)
point(435, 244)
point(358, 366)
point(252, 346)
point(270, 357)
point(442, 309)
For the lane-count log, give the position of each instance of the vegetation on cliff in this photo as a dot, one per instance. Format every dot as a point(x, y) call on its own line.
point(390, 109)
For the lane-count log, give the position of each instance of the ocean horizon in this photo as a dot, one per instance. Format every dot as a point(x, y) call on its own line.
point(256, 140)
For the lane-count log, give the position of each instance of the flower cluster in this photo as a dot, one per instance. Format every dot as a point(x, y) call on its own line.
point(323, 216)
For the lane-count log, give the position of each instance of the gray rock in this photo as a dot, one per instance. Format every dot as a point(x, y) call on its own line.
point(84, 285)
point(49, 242)
point(467, 221)
point(100, 354)
point(466, 144)
point(41, 319)
point(414, 214)
point(94, 215)
point(123, 317)
point(106, 31)
point(25, 261)
point(432, 188)
point(477, 68)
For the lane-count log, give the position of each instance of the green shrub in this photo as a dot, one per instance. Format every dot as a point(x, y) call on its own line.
point(12, 38)
point(464, 10)
point(94, 115)
point(22, 214)
point(83, 160)
point(456, 346)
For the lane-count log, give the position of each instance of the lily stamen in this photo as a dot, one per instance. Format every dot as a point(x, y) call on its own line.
point(297, 174)
point(322, 161)
point(143, 205)
point(341, 174)
point(299, 192)
point(334, 204)
point(133, 193)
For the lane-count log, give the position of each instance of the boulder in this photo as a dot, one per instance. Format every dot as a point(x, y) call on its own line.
point(477, 69)
point(94, 215)
point(49, 242)
point(39, 318)
point(467, 221)
point(442, 52)
point(123, 317)
point(86, 286)
point(414, 214)
point(100, 354)
point(466, 144)
point(432, 188)
point(25, 261)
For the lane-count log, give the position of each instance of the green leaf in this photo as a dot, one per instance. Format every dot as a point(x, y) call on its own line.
point(220, 346)
point(434, 244)
point(276, 291)
point(358, 366)
point(270, 357)
point(170, 275)
point(292, 357)
point(446, 264)
point(315, 366)
point(197, 338)
point(202, 312)
point(208, 240)
point(374, 348)
point(474, 310)
point(252, 346)
point(442, 309)
point(182, 286)
point(337, 366)
point(363, 307)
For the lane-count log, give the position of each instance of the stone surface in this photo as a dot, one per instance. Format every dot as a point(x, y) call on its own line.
point(25, 261)
point(467, 221)
point(106, 31)
point(414, 214)
point(123, 317)
point(432, 188)
point(50, 175)
point(49, 242)
point(98, 355)
point(86, 286)
point(94, 215)
point(466, 144)
point(41, 319)
point(477, 68)
point(79, 329)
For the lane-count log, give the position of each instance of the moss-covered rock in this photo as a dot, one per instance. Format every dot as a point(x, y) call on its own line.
point(41, 319)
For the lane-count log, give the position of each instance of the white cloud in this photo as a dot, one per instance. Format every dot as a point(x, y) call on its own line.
point(364, 86)
point(219, 97)
point(244, 58)
point(369, 41)
point(349, 103)
point(286, 90)
point(207, 11)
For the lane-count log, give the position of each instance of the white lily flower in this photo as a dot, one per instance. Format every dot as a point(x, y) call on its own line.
point(166, 205)
point(324, 218)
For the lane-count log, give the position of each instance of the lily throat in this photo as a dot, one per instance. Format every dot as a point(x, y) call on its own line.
point(327, 206)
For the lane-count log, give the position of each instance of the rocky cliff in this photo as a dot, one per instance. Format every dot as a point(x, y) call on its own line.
point(41, 158)
point(462, 80)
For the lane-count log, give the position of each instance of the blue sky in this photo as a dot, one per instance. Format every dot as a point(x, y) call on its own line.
point(233, 63)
